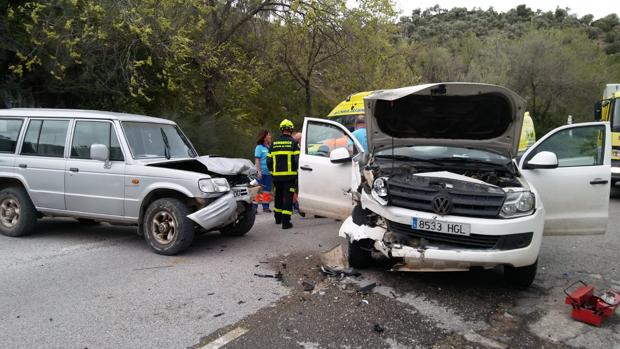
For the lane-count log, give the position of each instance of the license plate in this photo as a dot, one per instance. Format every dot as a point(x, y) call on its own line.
point(440, 226)
point(239, 192)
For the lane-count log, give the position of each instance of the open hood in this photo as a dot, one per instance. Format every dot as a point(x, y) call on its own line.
point(217, 165)
point(468, 115)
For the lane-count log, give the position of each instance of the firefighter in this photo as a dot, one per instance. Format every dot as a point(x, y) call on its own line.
point(282, 160)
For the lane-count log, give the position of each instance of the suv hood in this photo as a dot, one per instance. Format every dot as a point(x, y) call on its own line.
point(206, 164)
point(468, 115)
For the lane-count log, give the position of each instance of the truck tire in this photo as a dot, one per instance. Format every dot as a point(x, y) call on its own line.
point(166, 227)
point(17, 213)
point(244, 223)
point(522, 277)
point(359, 254)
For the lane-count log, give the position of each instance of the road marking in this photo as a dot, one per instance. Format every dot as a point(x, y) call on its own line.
point(225, 339)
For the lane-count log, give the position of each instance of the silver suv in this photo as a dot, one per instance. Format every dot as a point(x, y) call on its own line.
point(120, 168)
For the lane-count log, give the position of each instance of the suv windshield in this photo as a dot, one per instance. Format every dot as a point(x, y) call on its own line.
point(615, 117)
point(148, 140)
point(447, 154)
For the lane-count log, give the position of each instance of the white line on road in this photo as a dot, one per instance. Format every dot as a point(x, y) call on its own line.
point(225, 339)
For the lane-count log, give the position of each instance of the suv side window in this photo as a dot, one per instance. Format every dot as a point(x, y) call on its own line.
point(575, 147)
point(46, 138)
point(321, 139)
point(87, 133)
point(9, 131)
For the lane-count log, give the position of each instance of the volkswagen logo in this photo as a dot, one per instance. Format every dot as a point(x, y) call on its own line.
point(442, 204)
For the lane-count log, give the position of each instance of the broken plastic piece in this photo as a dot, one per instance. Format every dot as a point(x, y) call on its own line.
point(367, 287)
point(308, 286)
point(333, 271)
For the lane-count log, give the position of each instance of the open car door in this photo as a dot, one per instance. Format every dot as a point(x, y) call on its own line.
point(325, 169)
point(570, 167)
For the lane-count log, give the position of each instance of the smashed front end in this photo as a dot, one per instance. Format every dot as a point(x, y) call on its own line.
point(440, 192)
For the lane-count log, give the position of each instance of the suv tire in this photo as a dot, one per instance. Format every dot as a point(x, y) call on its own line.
point(520, 278)
point(359, 255)
point(166, 227)
point(244, 223)
point(17, 213)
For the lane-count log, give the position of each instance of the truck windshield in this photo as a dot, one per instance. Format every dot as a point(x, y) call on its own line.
point(615, 117)
point(149, 140)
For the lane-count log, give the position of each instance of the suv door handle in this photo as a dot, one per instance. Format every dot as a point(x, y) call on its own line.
point(74, 169)
point(306, 168)
point(598, 181)
point(22, 166)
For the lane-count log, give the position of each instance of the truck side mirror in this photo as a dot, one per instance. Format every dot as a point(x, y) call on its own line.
point(598, 111)
point(542, 160)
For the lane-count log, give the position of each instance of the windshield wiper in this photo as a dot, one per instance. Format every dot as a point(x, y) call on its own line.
point(166, 144)
point(473, 161)
point(407, 158)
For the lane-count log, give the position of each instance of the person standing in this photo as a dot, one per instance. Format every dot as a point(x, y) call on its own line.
point(263, 142)
point(360, 132)
point(283, 160)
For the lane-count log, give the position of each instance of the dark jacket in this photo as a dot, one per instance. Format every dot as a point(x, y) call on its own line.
point(283, 158)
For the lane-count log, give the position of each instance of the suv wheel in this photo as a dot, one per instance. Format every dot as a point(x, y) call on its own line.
point(359, 254)
point(244, 223)
point(522, 277)
point(17, 213)
point(166, 227)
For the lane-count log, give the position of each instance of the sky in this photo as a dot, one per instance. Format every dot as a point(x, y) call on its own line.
point(598, 8)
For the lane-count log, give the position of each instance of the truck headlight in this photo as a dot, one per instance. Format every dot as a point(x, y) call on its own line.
point(214, 185)
point(518, 204)
point(615, 153)
point(380, 186)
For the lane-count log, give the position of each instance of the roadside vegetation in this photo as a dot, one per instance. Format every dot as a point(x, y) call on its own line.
point(223, 68)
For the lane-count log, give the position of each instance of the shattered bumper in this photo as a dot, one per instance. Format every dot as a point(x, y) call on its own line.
point(218, 213)
point(438, 256)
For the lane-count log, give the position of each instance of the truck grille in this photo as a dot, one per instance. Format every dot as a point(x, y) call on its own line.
point(500, 242)
point(470, 204)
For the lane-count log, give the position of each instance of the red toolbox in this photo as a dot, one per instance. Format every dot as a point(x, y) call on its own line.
point(589, 308)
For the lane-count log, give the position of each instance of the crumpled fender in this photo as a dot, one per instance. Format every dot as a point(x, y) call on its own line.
point(219, 213)
point(228, 166)
point(354, 232)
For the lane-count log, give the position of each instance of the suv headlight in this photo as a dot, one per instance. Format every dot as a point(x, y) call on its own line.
point(518, 204)
point(214, 185)
point(380, 186)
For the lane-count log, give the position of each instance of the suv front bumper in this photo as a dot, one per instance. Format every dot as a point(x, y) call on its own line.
point(224, 210)
point(438, 256)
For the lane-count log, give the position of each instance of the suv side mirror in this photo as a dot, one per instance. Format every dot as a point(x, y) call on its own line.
point(598, 110)
point(339, 155)
point(100, 152)
point(542, 160)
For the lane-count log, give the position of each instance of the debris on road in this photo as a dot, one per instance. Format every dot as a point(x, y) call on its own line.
point(218, 314)
point(378, 328)
point(307, 285)
point(335, 258)
point(277, 276)
point(366, 287)
point(339, 272)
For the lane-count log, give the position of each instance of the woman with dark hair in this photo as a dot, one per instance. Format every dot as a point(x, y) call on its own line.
point(263, 141)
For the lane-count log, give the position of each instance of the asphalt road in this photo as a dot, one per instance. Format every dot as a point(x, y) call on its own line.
point(72, 286)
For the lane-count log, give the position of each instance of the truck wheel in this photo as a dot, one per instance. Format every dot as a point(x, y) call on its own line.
point(17, 213)
point(359, 254)
point(166, 227)
point(520, 278)
point(244, 223)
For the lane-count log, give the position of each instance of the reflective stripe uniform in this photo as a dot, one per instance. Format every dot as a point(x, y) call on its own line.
point(283, 160)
